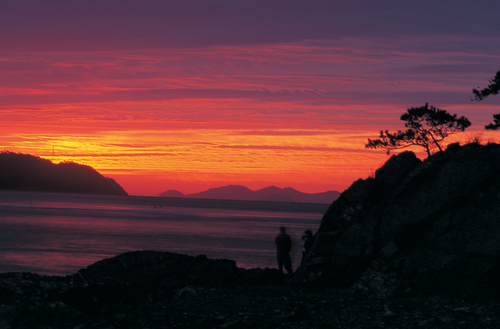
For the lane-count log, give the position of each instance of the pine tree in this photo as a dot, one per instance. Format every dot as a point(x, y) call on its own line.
point(427, 127)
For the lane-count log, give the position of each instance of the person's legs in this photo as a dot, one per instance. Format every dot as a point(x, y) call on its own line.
point(280, 263)
point(288, 263)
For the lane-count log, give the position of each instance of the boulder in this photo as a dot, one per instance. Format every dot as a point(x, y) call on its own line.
point(423, 226)
point(124, 282)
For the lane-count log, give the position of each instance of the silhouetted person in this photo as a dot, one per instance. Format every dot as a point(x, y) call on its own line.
point(307, 242)
point(283, 247)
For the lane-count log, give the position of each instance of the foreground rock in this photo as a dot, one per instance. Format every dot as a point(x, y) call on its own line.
point(117, 286)
point(150, 289)
point(428, 227)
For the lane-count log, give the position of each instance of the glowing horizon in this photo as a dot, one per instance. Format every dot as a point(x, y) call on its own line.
point(188, 100)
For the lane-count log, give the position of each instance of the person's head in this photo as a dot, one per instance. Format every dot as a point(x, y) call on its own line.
point(308, 232)
point(282, 229)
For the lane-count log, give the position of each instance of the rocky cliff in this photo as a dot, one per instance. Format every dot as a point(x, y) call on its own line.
point(417, 226)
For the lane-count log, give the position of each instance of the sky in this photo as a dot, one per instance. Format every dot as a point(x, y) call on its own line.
point(190, 95)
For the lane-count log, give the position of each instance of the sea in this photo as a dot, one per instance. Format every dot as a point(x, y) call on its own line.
point(60, 233)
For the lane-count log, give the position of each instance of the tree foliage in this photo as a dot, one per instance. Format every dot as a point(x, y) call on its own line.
point(427, 127)
point(492, 89)
point(495, 124)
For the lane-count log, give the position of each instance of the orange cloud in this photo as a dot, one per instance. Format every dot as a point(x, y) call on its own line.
point(289, 114)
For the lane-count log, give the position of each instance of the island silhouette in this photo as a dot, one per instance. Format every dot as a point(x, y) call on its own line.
point(27, 172)
point(271, 193)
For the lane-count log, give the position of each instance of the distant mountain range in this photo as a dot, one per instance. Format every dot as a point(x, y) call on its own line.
point(271, 193)
point(27, 172)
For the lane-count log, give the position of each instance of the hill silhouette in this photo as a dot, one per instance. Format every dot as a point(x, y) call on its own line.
point(423, 226)
point(26, 172)
point(271, 193)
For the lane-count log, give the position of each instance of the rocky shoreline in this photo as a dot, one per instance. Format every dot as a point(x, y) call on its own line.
point(149, 289)
point(415, 246)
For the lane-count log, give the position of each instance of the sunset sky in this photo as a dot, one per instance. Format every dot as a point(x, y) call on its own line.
point(189, 95)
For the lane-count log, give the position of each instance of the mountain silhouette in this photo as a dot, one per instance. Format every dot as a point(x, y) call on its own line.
point(271, 193)
point(26, 172)
point(173, 194)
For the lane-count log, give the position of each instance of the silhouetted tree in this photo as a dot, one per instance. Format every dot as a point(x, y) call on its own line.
point(492, 89)
point(427, 127)
point(495, 124)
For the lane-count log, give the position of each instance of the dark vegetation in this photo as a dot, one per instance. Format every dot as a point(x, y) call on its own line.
point(27, 172)
point(427, 127)
point(492, 89)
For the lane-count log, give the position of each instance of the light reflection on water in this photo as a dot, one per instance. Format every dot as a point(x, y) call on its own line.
point(58, 234)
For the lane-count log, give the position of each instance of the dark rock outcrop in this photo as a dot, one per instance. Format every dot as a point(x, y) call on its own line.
point(424, 226)
point(122, 283)
point(148, 289)
point(27, 172)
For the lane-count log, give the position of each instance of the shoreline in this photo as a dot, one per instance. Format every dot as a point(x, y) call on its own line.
point(58, 234)
point(164, 290)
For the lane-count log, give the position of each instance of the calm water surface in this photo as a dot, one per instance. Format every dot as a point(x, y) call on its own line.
point(57, 234)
